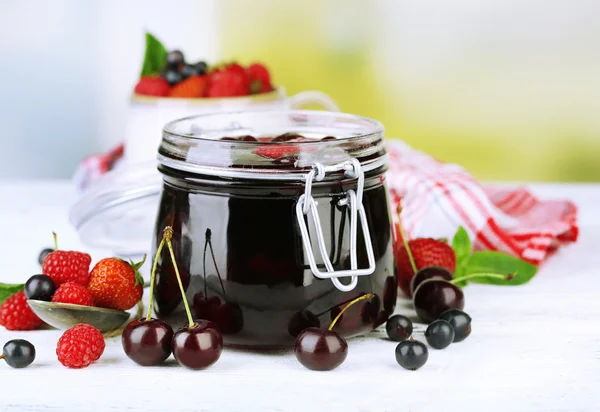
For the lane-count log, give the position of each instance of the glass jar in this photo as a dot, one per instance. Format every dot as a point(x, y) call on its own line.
point(274, 237)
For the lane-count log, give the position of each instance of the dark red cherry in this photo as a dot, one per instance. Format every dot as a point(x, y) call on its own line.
point(327, 138)
point(435, 296)
point(320, 349)
point(147, 342)
point(198, 346)
point(303, 320)
point(247, 138)
point(430, 272)
point(226, 315)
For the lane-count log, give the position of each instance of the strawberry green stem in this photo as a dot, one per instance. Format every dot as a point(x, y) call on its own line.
point(153, 276)
point(482, 275)
point(168, 235)
point(405, 241)
point(55, 240)
point(363, 297)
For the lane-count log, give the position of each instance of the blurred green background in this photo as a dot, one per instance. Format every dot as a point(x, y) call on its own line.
point(507, 89)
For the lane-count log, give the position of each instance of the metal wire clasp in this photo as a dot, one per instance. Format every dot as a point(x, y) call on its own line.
point(307, 206)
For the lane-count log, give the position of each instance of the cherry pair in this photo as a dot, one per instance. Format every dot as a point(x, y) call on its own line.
point(150, 341)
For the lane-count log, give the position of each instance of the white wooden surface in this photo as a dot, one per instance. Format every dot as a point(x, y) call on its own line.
point(533, 348)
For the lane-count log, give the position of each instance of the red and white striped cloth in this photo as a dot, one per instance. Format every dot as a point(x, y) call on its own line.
point(439, 197)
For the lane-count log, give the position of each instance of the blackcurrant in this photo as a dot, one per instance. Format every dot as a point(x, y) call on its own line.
point(172, 77)
point(174, 59)
point(460, 321)
point(40, 287)
point(439, 334)
point(411, 354)
point(43, 255)
point(18, 353)
point(399, 328)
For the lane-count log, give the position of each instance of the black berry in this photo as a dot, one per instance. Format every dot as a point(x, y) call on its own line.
point(172, 76)
point(201, 68)
point(18, 353)
point(40, 287)
point(439, 334)
point(174, 59)
point(399, 328)
point(411, 354)
point(460, 321)
point(43, 255)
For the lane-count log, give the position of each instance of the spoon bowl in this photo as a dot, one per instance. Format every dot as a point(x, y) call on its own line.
point(65, 315)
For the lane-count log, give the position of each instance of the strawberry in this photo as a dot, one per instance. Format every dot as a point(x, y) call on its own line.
point(229, 81)
point(116, 284)
point(260, 79)
point(67, 266)
point(193, 86)
point(425, 252)
point(277, 151)
point(152, 86)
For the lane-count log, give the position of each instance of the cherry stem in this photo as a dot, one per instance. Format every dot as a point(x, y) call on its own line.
point(352, 302)
point(168, 235)
point(1, 356)
point(55, 240)
point(405, 241)
point(482, 275)
point(153, 276)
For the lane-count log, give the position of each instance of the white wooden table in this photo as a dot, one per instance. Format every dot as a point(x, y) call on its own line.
point(533, 348)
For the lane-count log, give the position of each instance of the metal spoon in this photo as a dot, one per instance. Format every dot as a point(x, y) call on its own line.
point(66, 315)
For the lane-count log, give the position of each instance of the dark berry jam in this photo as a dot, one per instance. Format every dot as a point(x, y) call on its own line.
point(241, 257)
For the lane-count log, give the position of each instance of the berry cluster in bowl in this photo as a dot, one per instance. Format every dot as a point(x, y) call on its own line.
point(168, 74)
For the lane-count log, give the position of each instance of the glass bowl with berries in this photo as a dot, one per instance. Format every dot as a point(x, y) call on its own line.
point(171, 87)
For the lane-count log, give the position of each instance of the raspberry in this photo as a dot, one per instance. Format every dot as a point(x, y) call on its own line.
point(152, 86)
point(73, 293)
point(15, 313)
point(191, 87)
point(63, 266)
point(79, 346)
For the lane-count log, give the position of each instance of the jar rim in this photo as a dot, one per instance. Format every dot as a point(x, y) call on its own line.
point(377, 126)
point(194, 144)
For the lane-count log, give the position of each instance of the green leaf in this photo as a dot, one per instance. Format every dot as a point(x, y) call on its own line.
point(461, 244)
point(501, 263)
point(7, 290)
point(155, 57)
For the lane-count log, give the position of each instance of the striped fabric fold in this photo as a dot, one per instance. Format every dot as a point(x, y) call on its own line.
point(439, 197)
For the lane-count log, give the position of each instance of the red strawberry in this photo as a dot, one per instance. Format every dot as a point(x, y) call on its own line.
point(152, 86)
point(67, 266)
point(116, 284)
point(191, 87)
point(260, 79)
point(15, 313)
point(229, 81)
point(425, 252)
point(277, 151)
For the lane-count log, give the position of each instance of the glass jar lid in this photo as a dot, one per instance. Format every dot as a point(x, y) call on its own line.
point(281, 145)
